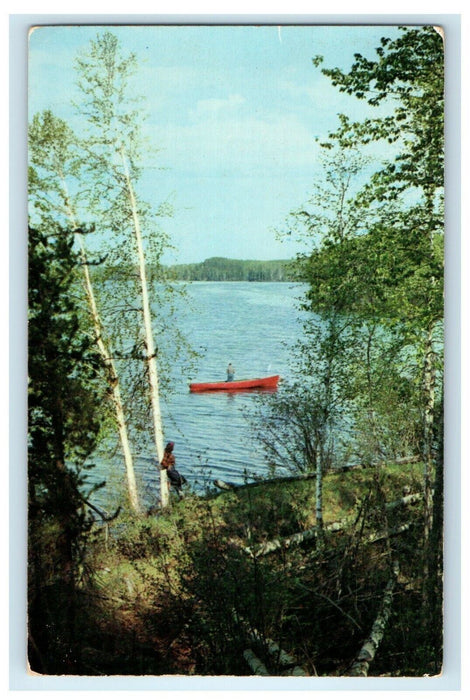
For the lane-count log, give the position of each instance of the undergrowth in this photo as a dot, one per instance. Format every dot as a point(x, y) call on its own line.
point(178, 593)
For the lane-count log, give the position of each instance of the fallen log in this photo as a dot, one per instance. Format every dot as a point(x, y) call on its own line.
point(306, 535)
point(282, 658)
point(297, 538)
point(225, 485)
point(231, 486)
point(405, 501)
point(284, 543)
point(412, 459)
point(361, 664)
point(377, 536)
point(408, 460)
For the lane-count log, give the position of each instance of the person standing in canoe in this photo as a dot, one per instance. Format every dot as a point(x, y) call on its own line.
point(230, 372)
point(168, 462)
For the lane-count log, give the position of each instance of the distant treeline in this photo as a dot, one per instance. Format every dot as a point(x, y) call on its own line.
point(228, 270)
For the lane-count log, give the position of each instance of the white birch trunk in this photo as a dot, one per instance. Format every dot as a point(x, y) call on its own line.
point(281, 657)
point(404, 501)
point(108, 362)
point(116, 397)
point(366, 655)
point(151, 354)
point(312, 533)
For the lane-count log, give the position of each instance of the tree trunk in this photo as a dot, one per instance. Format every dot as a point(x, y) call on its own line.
point(281, 658)
point(115, 389)
point(312, 533)
point(151, 352)
point(105, 353)
point(370, 409)
point(230, 486)
point(361, 664)
point(433, 593)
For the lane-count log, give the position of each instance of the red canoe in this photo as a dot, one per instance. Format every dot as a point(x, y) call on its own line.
point(241, 385)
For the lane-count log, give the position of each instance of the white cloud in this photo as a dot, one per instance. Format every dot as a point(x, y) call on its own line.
point(223, 144)
point(296, 90)
point(214, 106)
point(171, 80)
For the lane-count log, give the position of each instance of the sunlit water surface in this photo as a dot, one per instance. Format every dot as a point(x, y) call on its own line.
point(254, 326)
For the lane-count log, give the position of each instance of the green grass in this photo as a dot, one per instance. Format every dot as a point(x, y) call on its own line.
point(289, 507)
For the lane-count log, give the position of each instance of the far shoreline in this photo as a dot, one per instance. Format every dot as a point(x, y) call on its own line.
point(219, 269)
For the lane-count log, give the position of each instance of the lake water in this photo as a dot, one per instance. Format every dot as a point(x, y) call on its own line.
point(254, 326)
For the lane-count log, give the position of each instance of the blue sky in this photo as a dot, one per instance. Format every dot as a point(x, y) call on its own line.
point(234, 112)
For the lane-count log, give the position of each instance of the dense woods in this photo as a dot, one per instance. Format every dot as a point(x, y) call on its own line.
point(335, 570)
point(228, 270)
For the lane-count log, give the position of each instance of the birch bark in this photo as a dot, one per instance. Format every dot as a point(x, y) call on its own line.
point(149, 341)
point(366, 655)
point(106, 355)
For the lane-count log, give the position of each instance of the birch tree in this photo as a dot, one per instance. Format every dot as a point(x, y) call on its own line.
point(115, 154)
point(306, 422)
point(301, 426)
point(55, 168)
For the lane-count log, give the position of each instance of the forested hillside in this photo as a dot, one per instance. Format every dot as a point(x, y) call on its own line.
point(227, 270)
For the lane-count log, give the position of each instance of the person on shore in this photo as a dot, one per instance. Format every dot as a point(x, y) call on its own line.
point(168, 462)
point(230, 372)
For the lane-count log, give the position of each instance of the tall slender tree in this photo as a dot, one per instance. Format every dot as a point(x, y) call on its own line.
point(114, 153)
point(55, 167)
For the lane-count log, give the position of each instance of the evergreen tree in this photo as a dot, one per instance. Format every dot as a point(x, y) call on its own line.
point(64, 400)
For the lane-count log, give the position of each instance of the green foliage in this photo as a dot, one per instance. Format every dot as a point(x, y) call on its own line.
point(64, 414)
point(54, 161)
point(411, 71)
point(384, 274)
point(331, 213)
point(377, 250)
point(64, 368)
